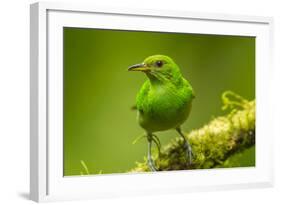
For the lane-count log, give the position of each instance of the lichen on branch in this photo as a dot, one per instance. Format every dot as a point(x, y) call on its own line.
point(213, 143)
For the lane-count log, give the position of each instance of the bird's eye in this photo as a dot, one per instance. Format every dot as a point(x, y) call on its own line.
point(159, 64)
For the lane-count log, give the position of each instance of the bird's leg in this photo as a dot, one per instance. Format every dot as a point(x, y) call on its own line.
point(150, 161)
point(186, 146)
point(156, 140)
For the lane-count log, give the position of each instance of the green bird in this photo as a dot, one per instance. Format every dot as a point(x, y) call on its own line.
point(164, 101)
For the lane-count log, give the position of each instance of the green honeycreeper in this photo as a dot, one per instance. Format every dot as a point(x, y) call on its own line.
point(164, 100)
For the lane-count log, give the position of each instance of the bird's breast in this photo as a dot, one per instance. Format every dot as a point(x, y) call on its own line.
point(164, 109)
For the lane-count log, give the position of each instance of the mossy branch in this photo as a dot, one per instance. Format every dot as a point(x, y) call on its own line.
point(213, 143)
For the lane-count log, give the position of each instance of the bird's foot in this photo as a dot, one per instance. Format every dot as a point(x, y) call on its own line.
point(151, 165)
point(187, 147)
point(188, 152)
point(150, 161)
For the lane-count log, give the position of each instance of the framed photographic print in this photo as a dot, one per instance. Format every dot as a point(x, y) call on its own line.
point(128, 102)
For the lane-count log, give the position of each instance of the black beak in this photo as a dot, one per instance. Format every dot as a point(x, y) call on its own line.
point(138, 67)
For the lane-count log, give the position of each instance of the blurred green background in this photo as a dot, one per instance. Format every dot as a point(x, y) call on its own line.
point(99, 125)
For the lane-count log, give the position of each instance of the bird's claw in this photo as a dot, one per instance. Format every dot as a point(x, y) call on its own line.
point(151, 165)
point(186, 146)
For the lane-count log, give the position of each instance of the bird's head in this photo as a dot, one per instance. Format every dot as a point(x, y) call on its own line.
point(158, 68)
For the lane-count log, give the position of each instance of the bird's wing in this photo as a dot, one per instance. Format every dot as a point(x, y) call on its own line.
point(142, 95)
point(143, 91)
point(190, 88)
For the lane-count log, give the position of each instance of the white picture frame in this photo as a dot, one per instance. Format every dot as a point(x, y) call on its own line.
point(46, 177)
